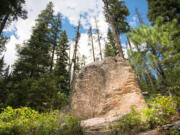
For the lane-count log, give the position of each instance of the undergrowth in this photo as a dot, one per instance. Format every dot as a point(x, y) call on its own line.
point(162, 110)
point(25, 121)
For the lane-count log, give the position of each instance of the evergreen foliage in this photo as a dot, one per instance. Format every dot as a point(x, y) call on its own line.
point(119, 12)
point(168, 9)
point(61, 71)
point(110, 46)
point(115, 13)
point(159, 45)
point(37, 81)
point(10, 10)
point(34, 58)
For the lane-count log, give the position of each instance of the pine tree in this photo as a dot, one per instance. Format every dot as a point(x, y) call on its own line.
point(168, 9)
point(61, 68)
point(1, 66)
point(91, 42)
point(33, 64)
point(10, 10)
point(34, 58)
point(116, 13)
point(159, 44)
point(3, 41)
point(55, 33)
point(110, 46)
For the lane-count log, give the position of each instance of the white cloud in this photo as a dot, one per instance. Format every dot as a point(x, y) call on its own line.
point(71, 9)
point(133, 23)
point(10, 54)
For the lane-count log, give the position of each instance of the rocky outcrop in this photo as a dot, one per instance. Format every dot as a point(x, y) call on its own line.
point(162, 130)
point(105, 91)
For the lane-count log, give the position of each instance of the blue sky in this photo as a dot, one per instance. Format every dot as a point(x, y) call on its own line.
point(141, 5)
point(71, 10)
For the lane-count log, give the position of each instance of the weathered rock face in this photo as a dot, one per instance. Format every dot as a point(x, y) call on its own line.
point(106, 89)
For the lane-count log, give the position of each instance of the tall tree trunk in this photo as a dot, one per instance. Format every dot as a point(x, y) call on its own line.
point(135, 64)
point(74, 58)
point(99, 39)
point(146, 68)
point(115, 31)
point(141, 22)
point(150, 79)
point(159, 68)
point(92, 43)
point(3, 23)
point(70, 65)
point(52, 58)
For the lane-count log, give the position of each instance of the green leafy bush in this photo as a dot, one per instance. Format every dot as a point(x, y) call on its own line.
point(162, 111)
point(25, 121)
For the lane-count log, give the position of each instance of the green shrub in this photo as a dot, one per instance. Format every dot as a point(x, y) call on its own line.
point(25, 121)
point(161, 112)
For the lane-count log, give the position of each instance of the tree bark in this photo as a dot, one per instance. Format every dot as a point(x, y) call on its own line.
point(74, 58)
point(52, 58)
point(99, 39)
point(3, 23)
point(115, 31)
point(150, 79)
point(92, 44)
point(135, 64)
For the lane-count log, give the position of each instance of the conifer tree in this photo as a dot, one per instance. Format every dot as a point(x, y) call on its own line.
point(33, 64)
point(159, 46)
point(110, 46)
point(55, 33)
point(1, 66)
point(10, 10)
point(168, 9)
point(34, 58)
point(61, 68)
point(116, 13)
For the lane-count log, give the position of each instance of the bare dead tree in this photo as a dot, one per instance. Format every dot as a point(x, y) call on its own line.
point(90, 34)
point(141, 22)
point(99, 38)
point(73, 63)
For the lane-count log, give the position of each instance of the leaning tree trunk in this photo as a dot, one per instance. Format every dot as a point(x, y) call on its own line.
point(74, 58)
point(115, 31)
point(3, 23)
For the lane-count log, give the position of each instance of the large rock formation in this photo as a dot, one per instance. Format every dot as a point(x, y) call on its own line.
point(105, 90)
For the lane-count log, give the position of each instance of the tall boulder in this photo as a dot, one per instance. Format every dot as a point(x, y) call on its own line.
point(106, 89)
